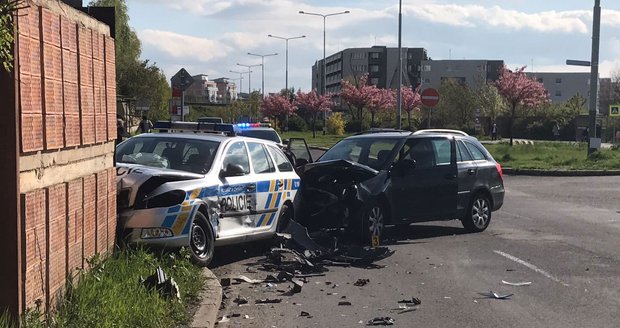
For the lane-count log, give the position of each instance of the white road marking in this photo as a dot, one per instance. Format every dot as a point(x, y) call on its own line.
point(531, 266)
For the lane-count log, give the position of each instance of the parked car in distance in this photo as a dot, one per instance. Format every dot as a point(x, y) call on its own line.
point(379, 178)
point(202, 189)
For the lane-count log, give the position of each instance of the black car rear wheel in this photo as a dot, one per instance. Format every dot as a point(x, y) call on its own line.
point(478, 216)
point(201, 240)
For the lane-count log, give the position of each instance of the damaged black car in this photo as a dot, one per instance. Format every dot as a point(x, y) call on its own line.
point(379, 178)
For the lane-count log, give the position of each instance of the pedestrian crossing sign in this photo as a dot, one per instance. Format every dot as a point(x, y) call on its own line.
point(614, 110)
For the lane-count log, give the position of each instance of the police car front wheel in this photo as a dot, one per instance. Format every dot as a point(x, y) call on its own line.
point(201, 240)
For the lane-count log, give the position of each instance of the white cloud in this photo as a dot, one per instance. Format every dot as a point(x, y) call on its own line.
point(496, 16)
point(183, 46)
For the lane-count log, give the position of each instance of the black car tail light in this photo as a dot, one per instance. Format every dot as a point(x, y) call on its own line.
point(499, 171)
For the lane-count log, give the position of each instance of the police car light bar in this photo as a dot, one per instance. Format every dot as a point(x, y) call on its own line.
point(253, 125)
point(176, 126)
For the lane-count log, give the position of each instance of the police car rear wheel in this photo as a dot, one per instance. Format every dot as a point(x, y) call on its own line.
point(286, 214)
point(202, 240)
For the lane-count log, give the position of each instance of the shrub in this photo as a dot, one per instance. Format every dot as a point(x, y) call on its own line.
point(356, 126)
point(335, 124)
point(296, 123)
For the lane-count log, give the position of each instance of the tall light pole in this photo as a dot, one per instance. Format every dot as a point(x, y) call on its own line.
point(324, 75)
point(240, 78)
point(286, 74)
point(249, 76)
point(400, 64)
point(262, 61)
point(593, 143)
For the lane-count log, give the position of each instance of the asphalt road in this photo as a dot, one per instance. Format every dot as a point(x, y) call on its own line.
point(559, 233)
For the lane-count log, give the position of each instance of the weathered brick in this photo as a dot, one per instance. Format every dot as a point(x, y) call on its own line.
point(28, 21)
point(34, 213)
point(102, 212)
point(90, 197)
point(52, 62)
point(99, 73)
point(71, 101)
point(68, 34)
point(69, 66)
point(110, 74)
point(57, 241)
point(53, 96)
point(85, 43)
point(111, 100)
point(23, 44)
point(86, 70)
point(110, 52)
point(54, 131)
point(111, 208)
point(74, 223)
point(30, 94)
point(112, 131)
point(88, 129)
point(50, 23)
point(87, 101)
point(34, 50)
point(98, 46)
point(98, 100)
point(101, 129)
point(31, 132)
point(73, 131)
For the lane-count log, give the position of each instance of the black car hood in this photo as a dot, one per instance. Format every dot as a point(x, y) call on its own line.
point(340, 171)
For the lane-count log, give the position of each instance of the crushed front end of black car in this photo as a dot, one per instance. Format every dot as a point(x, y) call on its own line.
point(333, 193)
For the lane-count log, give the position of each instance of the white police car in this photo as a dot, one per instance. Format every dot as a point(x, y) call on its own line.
point(258, 130)
point(202, 189)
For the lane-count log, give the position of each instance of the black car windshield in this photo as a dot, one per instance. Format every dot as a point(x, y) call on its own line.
point(182, 154)
point(372, 152)
point(270, 135)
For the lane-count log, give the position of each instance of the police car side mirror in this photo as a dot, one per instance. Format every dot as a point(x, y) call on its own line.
point(232, 170)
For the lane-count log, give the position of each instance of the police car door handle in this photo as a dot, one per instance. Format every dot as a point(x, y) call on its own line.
point(251, 187)
point(279, 185)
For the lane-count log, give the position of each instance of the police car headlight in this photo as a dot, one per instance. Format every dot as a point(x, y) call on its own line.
point(170, 198)
point(148, 233)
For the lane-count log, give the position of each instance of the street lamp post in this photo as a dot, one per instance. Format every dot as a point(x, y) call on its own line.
point(324, 75)
point(262, 60)
point(286, 74)
point(249, 76)
point(240, 78)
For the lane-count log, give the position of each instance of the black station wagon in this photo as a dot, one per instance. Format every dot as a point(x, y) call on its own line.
point(379, 178)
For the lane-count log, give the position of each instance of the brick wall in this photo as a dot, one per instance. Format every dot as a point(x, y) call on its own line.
point(65, 65)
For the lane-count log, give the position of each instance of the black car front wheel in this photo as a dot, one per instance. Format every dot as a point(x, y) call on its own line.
point(201, 240)
point(373, 222)
point(478, 216)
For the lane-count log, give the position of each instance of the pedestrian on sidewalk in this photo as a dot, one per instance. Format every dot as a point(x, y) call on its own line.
point(494, 132)
point(556, 131)
point(120, 131)
point(145, 125)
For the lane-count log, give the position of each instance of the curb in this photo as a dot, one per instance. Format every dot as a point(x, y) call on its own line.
point(210, 300)
point(560, 173)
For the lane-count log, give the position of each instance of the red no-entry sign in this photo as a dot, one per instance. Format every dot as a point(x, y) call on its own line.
point(430, 97)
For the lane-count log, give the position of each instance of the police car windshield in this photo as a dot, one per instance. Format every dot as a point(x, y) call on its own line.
point(271, 135)
point(372, 152)
point(181, 154)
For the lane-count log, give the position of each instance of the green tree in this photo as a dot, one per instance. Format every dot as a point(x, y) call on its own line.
point(7, 33)
point(490, 102)
point(457, 105)
point(136, 78)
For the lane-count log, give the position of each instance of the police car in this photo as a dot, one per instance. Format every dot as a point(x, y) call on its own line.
point(200, 189)
point(258, 130)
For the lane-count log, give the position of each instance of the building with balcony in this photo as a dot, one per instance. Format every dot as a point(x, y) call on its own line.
point(217, 91)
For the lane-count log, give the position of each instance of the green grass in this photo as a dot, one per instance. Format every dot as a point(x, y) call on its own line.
point(321, 140)
point(111, 293)
point(554, 156)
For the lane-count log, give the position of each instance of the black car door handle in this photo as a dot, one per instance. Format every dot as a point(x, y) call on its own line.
point(251, 188)
point(450, 176)
point(471, 171)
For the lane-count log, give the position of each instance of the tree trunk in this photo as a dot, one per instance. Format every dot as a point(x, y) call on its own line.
point(409, 120)
point(372, 119)
point(313, 125)
point(512, 121)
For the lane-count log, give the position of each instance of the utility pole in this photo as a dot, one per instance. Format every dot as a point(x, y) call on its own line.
point(596, 37)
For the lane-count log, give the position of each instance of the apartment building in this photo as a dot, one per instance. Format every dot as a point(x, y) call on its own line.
point(472, 72)
point(564, 86)
point(217, 91)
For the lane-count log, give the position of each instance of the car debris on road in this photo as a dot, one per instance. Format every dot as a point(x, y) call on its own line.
point(381, 321)
point(517, 284)
point(496, 296)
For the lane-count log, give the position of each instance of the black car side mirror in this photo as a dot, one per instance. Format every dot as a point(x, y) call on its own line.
point(232, 170)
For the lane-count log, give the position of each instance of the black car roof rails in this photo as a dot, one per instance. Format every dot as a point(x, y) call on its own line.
point(377, 130)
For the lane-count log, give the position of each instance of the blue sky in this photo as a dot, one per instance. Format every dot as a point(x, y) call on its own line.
point(212, 36)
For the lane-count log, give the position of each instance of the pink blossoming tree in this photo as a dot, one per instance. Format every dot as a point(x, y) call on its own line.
point(379, 100)
point(411, 101)
point(314, 104)
point(356, 95)
point(519, 90)
point(277, 106)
